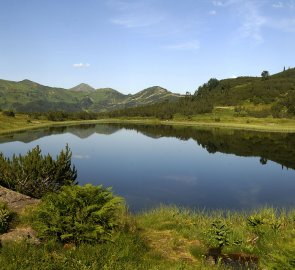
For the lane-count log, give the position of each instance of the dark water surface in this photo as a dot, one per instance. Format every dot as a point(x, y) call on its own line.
point(186, 166)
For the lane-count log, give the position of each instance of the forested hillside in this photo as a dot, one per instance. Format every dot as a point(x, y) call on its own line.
point(266, 95)
point(28, 96)
point(269, 94)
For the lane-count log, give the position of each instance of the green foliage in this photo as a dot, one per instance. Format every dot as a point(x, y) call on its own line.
point(5, 218)
point(278, 88)
point(209, 86)
point(265, 75)
point(187, 106)
point(63, 116)
point(265, 222)
point(34, 174)
point(164, 238)
point(278, 110)
point(218, 234)
point(78, 214)
point(127, 252)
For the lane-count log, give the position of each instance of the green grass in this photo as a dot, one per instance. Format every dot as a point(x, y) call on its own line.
point(167, 238)
point(222, 117)
point(273, 241)
point(23, 122)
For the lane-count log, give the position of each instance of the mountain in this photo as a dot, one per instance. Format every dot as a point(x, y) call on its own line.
point(269, 95)
point(28, 96)
point(83, 87)
point(150, 95)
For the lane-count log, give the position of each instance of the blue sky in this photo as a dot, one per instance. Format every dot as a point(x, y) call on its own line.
point(130, 45)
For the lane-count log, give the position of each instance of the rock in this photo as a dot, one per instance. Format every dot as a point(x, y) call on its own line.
point(15, 201)
point(20, 234)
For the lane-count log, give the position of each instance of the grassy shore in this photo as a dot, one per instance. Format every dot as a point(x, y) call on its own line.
point(23, 122)
point(168, 238)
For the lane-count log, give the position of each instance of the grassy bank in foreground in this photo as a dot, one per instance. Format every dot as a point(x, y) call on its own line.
point(170, 238)
point(23, 122)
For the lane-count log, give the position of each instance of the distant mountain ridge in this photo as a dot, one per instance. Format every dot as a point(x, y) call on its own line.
point(29, 96)
point(82, 87)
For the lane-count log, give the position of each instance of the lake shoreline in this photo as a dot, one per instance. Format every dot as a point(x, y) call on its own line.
point(259, 125)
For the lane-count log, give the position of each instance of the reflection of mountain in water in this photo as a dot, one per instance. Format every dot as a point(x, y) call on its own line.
point(278, 147)
point(84, 131)
point(81, 131)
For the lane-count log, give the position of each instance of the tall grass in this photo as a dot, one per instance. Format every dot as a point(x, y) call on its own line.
point(272, 239)
point(167, 238)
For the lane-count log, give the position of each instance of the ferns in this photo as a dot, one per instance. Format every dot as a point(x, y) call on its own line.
point(5, 218)
point(78, 214)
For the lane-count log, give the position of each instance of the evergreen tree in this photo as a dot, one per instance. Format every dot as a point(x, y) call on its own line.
point(34, 174)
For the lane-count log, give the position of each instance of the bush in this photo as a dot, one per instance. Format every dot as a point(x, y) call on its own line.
point(35, 174)
point(78, 214)
point(218, 235)
point(5, 218)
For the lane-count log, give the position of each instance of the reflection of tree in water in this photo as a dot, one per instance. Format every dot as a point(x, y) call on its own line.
point(57, 129)
point(263, 160)
point(278, 147)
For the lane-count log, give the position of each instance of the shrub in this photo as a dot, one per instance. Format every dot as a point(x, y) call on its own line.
point(34, 174)
point(5, 218)
point(218, 235)
point(78, 214)
point(264, 222)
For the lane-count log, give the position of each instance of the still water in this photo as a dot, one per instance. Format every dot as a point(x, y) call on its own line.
point(184, 166)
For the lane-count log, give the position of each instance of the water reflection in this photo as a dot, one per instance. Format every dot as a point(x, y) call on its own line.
point(187, 166)
point(277, 147)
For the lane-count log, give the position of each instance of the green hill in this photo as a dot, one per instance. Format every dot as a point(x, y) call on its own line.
point(28, 96)
point(243, 96)
point(273, 94)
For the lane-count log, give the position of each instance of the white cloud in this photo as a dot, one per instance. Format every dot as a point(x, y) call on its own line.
point(81, 65)
point(134, 14)
point(212, 12)
point(252, 22)
point(218, 3)
point(278, 5)
point(185, 46)
point(224, 3)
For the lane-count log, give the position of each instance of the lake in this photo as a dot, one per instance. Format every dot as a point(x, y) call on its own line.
point(184, 166)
